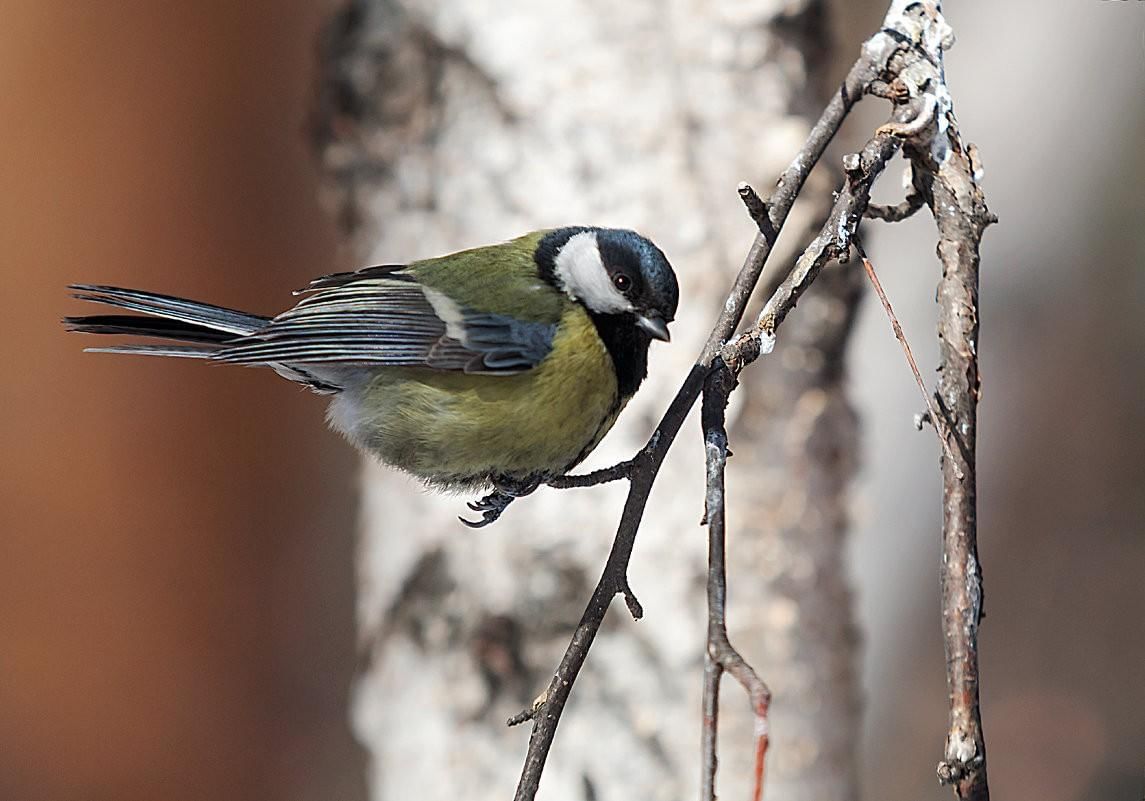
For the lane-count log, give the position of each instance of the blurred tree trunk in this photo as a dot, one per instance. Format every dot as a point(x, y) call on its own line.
point(451, 124)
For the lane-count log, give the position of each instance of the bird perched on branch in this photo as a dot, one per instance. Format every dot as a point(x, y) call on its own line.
point(500, 366)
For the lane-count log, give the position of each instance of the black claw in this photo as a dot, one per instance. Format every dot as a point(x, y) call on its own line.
point(490, 507)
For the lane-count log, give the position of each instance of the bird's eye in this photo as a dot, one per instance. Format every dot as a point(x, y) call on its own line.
point(621, 282)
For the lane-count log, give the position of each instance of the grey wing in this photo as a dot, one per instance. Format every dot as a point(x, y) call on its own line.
point(392, 320)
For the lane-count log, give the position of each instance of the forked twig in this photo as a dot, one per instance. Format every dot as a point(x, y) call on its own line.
point(720, 655)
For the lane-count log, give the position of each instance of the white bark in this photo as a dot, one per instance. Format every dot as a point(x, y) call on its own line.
point(449, 124)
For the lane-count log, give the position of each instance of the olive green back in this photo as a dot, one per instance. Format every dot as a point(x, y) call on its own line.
point(501, 279)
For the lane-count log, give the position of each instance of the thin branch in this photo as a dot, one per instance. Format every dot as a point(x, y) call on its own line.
point(877, 54)
point(720, 655)
point(960, 212)
point(946, 172)
point(941, 428)
point(646, 464)
point(961, 215)
point(834, 239)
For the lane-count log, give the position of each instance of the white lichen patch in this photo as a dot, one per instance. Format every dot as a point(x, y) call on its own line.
point(959, 747)
point(766, 342)
point(925, 79)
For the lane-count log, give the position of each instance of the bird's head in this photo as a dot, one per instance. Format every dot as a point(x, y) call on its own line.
point(612, 271)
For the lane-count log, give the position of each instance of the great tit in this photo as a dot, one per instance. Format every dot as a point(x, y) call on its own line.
point(499, 366)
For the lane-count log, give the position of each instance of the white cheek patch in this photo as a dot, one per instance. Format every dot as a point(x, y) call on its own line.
point(581, 272)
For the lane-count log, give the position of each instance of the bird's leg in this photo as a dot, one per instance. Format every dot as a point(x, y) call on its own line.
point(505, 490)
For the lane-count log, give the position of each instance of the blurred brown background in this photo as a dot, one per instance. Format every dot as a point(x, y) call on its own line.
point(176, 611)
point(176, 542)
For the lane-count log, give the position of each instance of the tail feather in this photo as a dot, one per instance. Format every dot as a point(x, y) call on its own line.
point(207, 328)
point(145, 327)
point(177, 351)
point(193, 313)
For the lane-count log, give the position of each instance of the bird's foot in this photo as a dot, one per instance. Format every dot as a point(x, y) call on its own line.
point(505, 491)
point(490, 507)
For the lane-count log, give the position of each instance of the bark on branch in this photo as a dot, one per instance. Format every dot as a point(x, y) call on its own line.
point(720, 655)
point(945, 176)
point(955, 199)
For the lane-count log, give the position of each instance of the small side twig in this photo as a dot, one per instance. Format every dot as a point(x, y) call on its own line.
point(913, 201)
point(757, 210)
point(898, 212)
point(602, 476)
point(720, 655)
point(941, 428)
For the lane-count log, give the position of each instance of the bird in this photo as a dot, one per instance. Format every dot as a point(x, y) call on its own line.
point(499, 367)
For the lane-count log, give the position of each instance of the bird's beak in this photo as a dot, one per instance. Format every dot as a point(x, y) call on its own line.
point(654, 324)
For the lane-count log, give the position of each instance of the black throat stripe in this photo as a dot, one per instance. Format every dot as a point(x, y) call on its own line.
point(628, 347)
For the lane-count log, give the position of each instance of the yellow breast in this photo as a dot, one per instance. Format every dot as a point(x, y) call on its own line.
point(450, 428)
